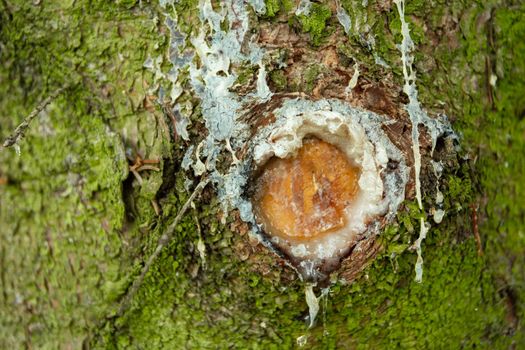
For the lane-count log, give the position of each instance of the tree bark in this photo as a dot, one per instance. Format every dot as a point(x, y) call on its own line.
point(99, 181)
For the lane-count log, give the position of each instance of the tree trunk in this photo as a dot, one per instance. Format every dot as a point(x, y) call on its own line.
point(101, 176)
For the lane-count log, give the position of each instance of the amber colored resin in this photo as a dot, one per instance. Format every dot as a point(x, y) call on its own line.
point(306, 195)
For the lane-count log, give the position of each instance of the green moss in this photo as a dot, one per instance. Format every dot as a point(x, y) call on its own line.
point(371, 36)
point(272, 7)
point(246, 74)
point(279, 79)
point(287, 6)
point(127, 3)
point(315, 22)
point(310, 76)
point(459, 189)
point(491, 124)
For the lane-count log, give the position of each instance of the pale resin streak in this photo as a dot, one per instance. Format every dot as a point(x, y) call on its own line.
point(313, 303)
point(353, 81)
point(416, 113)
point(343, 18)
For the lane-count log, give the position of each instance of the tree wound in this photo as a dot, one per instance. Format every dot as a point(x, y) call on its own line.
point(306, 195)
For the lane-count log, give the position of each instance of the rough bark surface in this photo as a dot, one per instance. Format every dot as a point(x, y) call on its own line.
point(80, 213)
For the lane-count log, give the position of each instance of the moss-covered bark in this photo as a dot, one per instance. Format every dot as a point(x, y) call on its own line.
point(77, 226)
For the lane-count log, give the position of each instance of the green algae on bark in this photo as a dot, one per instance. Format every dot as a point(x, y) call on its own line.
point(64, 227)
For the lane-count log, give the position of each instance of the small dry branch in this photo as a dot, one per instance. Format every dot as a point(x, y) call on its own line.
point(19, 132)
point(163, 241)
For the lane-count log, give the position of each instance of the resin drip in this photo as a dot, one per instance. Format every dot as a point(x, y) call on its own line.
point(417, 116)
point(306, 195)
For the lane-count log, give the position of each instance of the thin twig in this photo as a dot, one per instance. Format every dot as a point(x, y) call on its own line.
point(21, 129)
point(148, 167)
point(163, 241)
point(475, 229)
